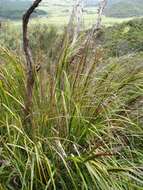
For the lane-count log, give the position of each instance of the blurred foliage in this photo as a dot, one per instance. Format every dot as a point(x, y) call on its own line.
point(123, 38)
point(117, 40)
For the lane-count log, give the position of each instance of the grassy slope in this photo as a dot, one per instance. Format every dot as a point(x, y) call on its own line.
point(87, 136)
point(88, 122)
point(125, 38)
point(117, 40)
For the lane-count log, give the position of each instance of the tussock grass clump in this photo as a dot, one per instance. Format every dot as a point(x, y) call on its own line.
point(87, 119)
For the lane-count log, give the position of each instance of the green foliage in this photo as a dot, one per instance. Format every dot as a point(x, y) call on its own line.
point(117, 40)
point(123, 38)
point(10, 36)
point(88, 124)
point(43, 38)
point(87, 112)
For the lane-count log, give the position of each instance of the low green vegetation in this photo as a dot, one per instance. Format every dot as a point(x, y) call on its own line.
point(123, 39)
point(88, 126)
point(85, 129)
point(117, 40)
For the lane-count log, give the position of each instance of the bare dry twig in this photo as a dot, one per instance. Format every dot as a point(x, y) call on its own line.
point(97, 25)
point(29, 59)
point(75, 22)
point(102, 6)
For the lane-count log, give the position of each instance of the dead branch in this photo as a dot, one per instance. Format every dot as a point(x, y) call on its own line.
point(75, 22)
point(29, 59)
point(97, 26)
point(102, 6)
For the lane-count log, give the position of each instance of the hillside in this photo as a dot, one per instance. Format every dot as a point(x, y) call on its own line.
point(117, 40)
point(13, 9)
point(123, 39)
point(123, 9)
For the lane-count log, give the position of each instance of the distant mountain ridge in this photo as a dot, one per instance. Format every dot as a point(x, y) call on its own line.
point(124, 8)
point(121, 8)
point(14, 9)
